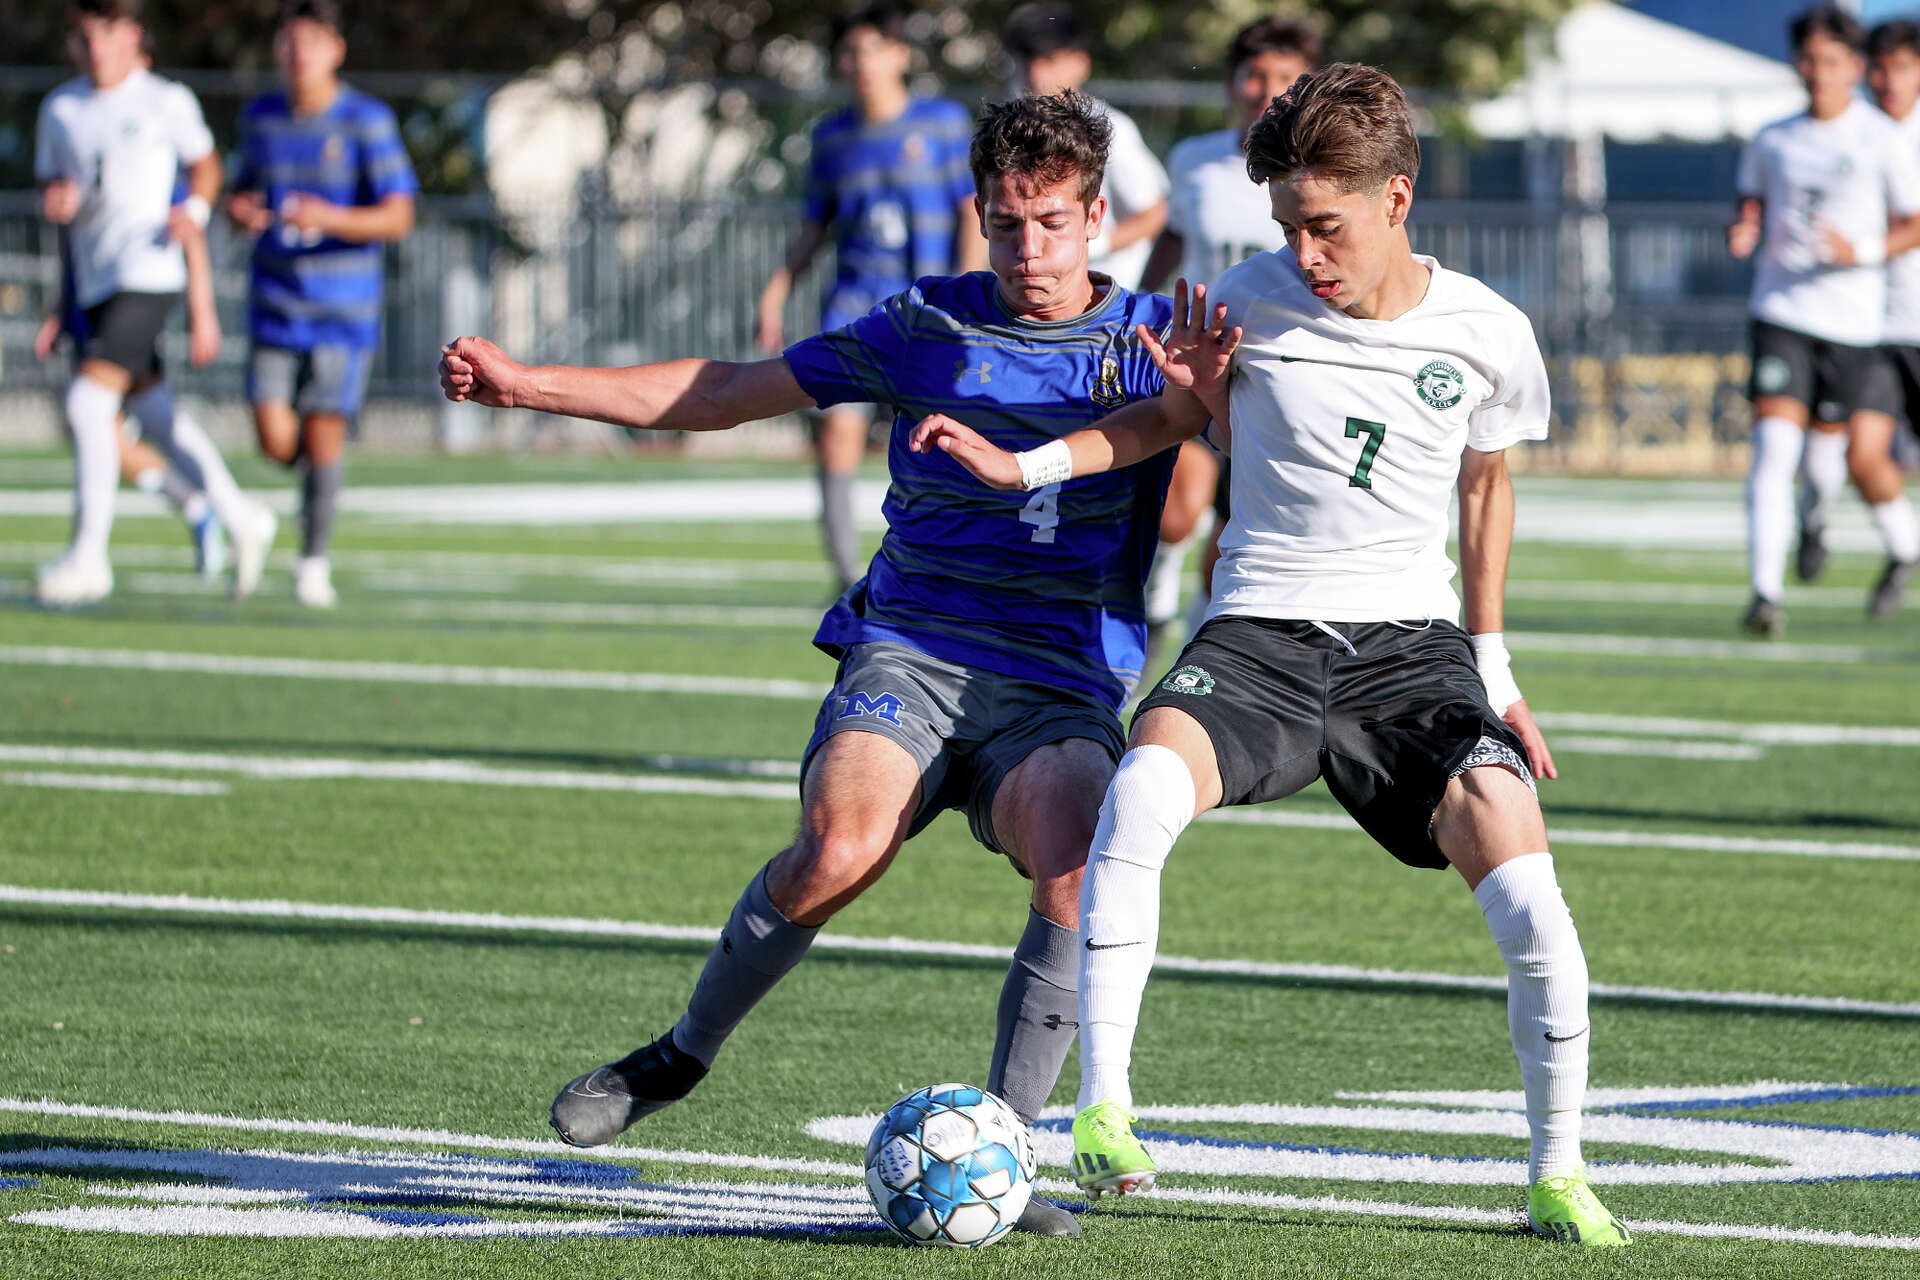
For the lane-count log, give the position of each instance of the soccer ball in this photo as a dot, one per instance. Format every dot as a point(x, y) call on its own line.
point(950, 1165)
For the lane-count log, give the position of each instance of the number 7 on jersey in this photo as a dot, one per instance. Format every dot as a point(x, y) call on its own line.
point(1376, 433)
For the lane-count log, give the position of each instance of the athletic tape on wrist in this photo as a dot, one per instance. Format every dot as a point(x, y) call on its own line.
point(1871, 253)
point(1051, 463)
point(1496, 670)
point(198, 210)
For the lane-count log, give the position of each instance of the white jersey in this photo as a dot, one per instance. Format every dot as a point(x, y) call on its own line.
point(124, 146)
point(1135, 182)
point(1852, 173)
point(1218, 212)
point(1347, 438)
point(1903, 272)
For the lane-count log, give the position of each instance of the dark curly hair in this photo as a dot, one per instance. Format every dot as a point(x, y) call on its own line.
point(1042, 140)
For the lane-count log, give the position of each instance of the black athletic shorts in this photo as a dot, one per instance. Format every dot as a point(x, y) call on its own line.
point(1905, 362)
point(1833, 380)
point(1387, 725)
point(125, 330)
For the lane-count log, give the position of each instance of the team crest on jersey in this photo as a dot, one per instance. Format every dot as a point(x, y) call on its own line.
point(1189, 679)
point(1440, 384)
point(332, 150)
point(913, 150)
point(1106, 388)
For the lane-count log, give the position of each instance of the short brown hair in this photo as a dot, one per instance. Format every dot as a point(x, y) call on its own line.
point(1276, 34)
point(1042, 140)
point(111, 10)
point(1348, 123)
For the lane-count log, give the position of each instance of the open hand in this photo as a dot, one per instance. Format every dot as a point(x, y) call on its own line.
point(1520, 720)
point(474, 369)
point(1743, 237)
point(60, 201)
point(307, 213)
point(993, 465)
point(248, 211)
point(1198, 352)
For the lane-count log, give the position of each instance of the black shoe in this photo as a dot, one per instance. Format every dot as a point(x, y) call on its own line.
point(598, 1106)
point(1892, 587)
point(1045, 1218)
point(1811, 559)
point(1765, 619)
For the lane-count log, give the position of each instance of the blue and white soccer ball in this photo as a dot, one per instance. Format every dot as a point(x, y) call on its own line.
point(950, 1165)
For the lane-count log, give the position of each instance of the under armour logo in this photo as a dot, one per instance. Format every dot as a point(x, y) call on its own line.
point(962, 370)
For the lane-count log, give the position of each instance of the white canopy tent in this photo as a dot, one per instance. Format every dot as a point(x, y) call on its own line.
point(1607, 71)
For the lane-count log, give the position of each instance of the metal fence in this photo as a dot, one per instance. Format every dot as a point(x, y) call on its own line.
point(1639, 309)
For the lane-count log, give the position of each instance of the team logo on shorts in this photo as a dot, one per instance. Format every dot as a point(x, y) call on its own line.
point(1440, 384)
point(1189, 679)
point(1771, 375)
point(1106, 388)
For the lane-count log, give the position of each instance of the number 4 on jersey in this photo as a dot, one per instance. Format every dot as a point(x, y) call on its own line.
point(1042, 512)
point(1376, 433)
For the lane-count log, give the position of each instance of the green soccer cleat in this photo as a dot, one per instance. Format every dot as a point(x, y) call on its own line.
point(1564, 1208)
point(1107, 1158)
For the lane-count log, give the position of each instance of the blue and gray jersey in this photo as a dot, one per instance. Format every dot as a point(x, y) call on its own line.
point(890, 193)
point(1045, 585)
point(310, 290)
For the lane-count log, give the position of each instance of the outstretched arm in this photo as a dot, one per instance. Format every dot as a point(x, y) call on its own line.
point(673, 395)
point(1486, 536)
point(1195, 360)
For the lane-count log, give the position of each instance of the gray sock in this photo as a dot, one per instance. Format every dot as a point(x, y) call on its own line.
point(836, 517)
point(755, 951)
point(319, 494)
point(176, 488)
point(1038, 1018)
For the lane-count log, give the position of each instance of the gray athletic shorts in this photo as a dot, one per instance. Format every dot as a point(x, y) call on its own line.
point(966, 728)
point(328, 379)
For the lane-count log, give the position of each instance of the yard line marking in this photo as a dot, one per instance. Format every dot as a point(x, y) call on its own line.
point(1624, 646)
point(660, 615)
point(280, 768)
point(1590, 744)
point(407, 672)
point(111, 782)
point(280, 909)
point(1704, 593)
point(1767, 734)
point(212, 1223)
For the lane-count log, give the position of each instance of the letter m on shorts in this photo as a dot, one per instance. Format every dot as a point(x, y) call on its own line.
point(886, 707)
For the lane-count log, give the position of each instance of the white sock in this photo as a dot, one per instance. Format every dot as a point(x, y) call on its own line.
point(91, 411)
point(1546, 1003)
point(1163, 582)
point(1777, 445)
point(1826, 468)
point(1898, 528)
point(1148, 804)
point(174, 433)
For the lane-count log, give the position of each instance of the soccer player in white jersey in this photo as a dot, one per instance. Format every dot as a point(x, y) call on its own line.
point(1215, 217)
point(108, 147)
point(1893, 75)
point(1827, 197)
point(1051, 54)
point(1361, 385)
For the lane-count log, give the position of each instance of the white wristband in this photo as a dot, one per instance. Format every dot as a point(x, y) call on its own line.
point(1870, 253)
point(1051, 463)
point(1496, 671)
point(197, 209)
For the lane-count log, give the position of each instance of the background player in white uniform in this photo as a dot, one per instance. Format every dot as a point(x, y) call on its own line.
point(1215, 217)
point(107, 150)
point(1366, 383)
point(1893, 74)
point(1049, 49)
point(1826, 197)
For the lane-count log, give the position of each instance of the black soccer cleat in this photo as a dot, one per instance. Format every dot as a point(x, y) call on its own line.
point(1810, 560)
point(1045, 1218)
point(1891, 589)
point(598, 1107)
point(1765, 619)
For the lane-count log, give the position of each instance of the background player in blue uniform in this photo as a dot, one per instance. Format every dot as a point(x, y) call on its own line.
point(983, 657)
point(888, 182)
point(324, 182)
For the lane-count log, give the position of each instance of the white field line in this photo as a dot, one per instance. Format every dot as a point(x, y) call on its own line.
point(273, 909)
point(642, 615)
point(111, 782)
point(1589, 744)
point(281, 768)
point(1330, 1204)
point(1623, 646)
point(1701, 593)
point(1765, 734)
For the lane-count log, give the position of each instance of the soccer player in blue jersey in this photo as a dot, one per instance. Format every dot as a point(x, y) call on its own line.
point(324, 183)
point(985, 654)
point(887, 182)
